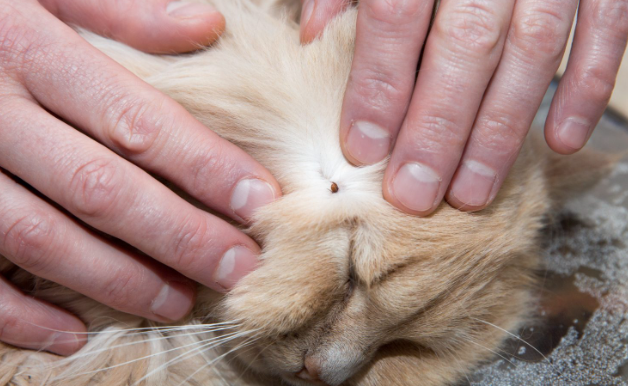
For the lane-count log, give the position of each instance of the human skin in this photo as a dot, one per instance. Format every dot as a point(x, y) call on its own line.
point(85, 134)
point(457, 130)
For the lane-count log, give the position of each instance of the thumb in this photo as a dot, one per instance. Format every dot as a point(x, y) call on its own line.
point(316, 14)
point(156, 26)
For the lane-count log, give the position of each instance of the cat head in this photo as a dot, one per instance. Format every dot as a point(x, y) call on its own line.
point(345, 279)
point(349, 290)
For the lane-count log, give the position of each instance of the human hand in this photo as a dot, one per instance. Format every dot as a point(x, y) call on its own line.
point(486, 66)
point(52, 83)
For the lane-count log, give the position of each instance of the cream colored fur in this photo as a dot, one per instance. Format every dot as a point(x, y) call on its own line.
point(377, 297)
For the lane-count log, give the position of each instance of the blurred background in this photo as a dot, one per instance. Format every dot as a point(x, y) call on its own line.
point(619, 101)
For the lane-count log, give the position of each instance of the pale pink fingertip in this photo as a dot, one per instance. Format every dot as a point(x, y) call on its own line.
point(367, 143)
point(236, 263)
point(174, 301)
point(416, 187)
point(574, 132)
point(474, 184)
point(249, 195)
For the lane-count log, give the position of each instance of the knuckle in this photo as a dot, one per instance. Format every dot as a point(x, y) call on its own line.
point(95, 187)
point(189, 243)
point(436, 134)
point(382, 91)
point(594, 82)
point(134, 130)
point(394, 12)
point(499, 134)
point(540, 32)
point(29, 239)
point(612, 15)
point(472, 26)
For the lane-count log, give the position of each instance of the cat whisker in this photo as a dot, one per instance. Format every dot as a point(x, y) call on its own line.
point(204, 346)
point(152, 355)
point(251, 339)
point(512, 335)
point(219, 375)
point(91, 353)
point(179, 358)
point(254, 358)
point(210, 363)
point(156, 339)
point(141, 330)
point(493, 351)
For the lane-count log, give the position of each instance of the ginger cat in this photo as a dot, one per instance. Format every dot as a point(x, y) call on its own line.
point(350, 290)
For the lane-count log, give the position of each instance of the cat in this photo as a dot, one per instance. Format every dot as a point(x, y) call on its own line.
point(350, 291)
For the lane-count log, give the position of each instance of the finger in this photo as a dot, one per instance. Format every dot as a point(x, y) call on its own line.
point(587, 85)
point(389, 37)
point(31, 323)
point(535, 46)
point(120, 199)
point(161, 26)
point(461, 54)
point(315, 14)
point(46, 243)
point(130, 117)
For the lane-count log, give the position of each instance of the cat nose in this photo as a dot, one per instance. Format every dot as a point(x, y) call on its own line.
point(311, 371)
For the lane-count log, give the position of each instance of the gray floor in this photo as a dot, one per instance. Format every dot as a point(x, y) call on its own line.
point(581, 333)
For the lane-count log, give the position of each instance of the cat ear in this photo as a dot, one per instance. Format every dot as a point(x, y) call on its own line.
point(140, 63)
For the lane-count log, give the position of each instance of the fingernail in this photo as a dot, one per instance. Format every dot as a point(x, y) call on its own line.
point(573, 132)
point(187, 10)
point(173, 302)
point(367, 142)
point(416, 186)
point(474, 183)
point(249, 195)
point(63, 343)
point(308, 9)
point(234, 265)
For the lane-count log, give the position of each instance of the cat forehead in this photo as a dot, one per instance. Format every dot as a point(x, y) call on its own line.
point(356, 233)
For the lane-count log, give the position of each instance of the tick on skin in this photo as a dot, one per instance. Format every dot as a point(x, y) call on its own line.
point(334, 187)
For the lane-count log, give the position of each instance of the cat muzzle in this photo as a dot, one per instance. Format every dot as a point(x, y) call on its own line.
point(331, 366)
point(311, 371)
